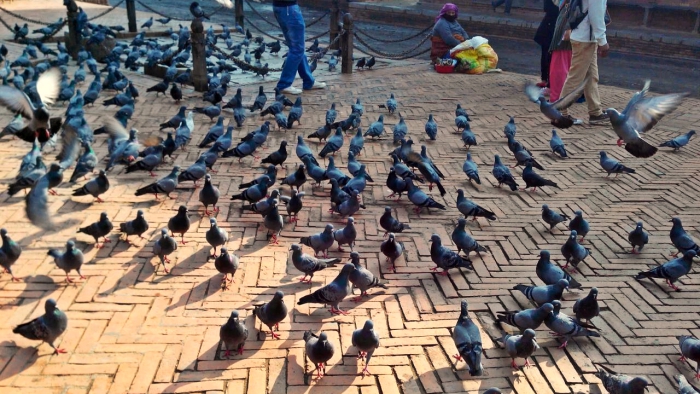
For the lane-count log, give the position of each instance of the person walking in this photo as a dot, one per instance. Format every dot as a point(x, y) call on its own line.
point(560, 52)
point(543, 37)
point(497, 3)
point(588, 41)
point(288, 15)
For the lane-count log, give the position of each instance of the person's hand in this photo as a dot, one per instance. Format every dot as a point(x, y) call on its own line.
point(603, 50)
point(567, 35)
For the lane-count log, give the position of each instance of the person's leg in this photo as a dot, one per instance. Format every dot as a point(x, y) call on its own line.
point(292, 26)
point(509, 3)
point(547, 62)
point(580, 62)
point(591, 89)
point(297, 34)
point(497, 3)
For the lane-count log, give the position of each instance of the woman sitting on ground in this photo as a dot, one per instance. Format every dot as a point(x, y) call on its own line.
point(447, 33)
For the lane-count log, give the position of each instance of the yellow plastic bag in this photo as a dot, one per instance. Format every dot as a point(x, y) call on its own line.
point(475, 60)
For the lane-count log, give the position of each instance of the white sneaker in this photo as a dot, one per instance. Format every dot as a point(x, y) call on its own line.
point(318, 85)
point(291, 90)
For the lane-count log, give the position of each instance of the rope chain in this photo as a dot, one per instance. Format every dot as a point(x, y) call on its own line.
point(106, 11)
point(424, 31)
point(394, 56)
point(35, 40)
point(18, 16)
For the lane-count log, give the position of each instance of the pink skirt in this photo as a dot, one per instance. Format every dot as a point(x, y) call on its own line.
point(558, 70)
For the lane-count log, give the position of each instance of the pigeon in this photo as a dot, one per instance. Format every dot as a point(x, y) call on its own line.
point(176, 120)
point(463, 241)
point(534, 180)
point(348, 207)
point(376, 129)
point(294, 205)
point(164, 247)
point(510, 129)
point(180, 223)
point(391, 104)
point(396, 184)
point(503, 175)
point(333, 172)
point(638, 238)
point(462, 123)
point(319, 350)
point(467, 338)
point(551, 110)
point(148, 23)
point(469, 208)
point(468, 137)
point(47, 327)
point(244, 149)
point(366, 341)
point(672, 270)
point(149, 162)
point(612, 166)
point(681, 240)
point(400, 130)
point(521, 346)
point(209, 195)
point(362, 278)
point(260, 100)
point(278, 157)
point(557, 145)
point(95, 187)
point(333, 293)
point(195, 172)
point(587, 308)
point(137, 226)
point(9, 253)
point(274, 223)
point(420, 199)
point(256, 192)
point(233, 334)
point(523, 156)
point(357, 143)
point(552, 218)
point(431, 128)
point(544, 294)
point(271, 173)
point(226, 263)
point(346, 235)
point(296, 179)
point(459, 111)
point(493, 390)
point(371, 62)
point(471, 170)
point(99, 229)
point(527, 319)
point(678, 142)
point(295, 113)
point(683, 386)
point(390, 224)
point(621, 384)
point(163, 186)
point(272, 313)
point(690, 350)
point(309, 264)
point(215, 236)
point(36, 114)
point(580, 225)
point(333, 144)
point(197, 11)
point(316, 172)
point(565, 326)
point(320, 242)
point(445, 258)
point(573, 252)
point(392, 249)
point(68, 260)
point(551, 274)
point(361, 63)
point(639, 116)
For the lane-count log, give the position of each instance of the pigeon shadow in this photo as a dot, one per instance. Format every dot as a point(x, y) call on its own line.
point(22, 358)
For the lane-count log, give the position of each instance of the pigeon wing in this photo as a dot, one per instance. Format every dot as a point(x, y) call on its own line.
point(49, 85)
point(532, 92)
point(566, 101)
point(16, 101)
point(648, 111)
point(37, 207)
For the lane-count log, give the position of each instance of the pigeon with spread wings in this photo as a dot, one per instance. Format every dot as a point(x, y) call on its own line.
point(552, 110)
point(37, 115)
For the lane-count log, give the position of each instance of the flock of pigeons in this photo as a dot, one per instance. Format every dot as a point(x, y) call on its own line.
point(37, 87)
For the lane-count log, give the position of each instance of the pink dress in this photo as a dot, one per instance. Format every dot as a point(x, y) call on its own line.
point(561, 54)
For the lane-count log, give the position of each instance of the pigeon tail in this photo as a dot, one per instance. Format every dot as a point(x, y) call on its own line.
point(640, 148)
point(441, 188)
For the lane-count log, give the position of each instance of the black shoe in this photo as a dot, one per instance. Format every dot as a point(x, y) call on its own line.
point(601, 119)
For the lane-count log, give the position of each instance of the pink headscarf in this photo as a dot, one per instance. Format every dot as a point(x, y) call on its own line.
point(445, 9)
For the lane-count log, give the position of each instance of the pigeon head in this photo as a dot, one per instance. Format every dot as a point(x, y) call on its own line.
point(182, 209)
point(469, 156)
point(578, 213)
point(530, 333)
point(435, 239)
point(329, 228)
point(164, 232)
point(391, 237)
point(270, 169)
point(139, 213)
point(545, 207)
point(460, 193)
point(322, 337)
point(70, 245)
point(50, 305)
point(224, 251)
point(603, 154)
point(563, 283)
point(613, 114)
point(103, 216)
point(461, 222)
point(547, 308)
point(274, 202)
point(266, 179)
point(369, 326)
point(676, 221)
point(351, 220)
point(275, 193)
point(493, 390)
point(234, 316)
point(593, 293)
point(637, 384)
point(689, 254)
point(691, 133)
point(544, 254)
point(573, 234)
point(176, 170)
point(283, 144)
point(54, 167)
point(3, 232)
point(355, 258)
point(464, 308)
point(212, 222)
point(556, 304)
point(278, 295)
point(640, 225)
point(347, 269)
point(497, 160)
point(295, 247)
point(554, 132)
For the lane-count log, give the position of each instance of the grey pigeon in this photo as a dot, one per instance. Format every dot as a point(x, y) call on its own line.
point(612, 166)
point(683, 386)
point(400, 130)
point(621, 384)
point(376, 129)
point(256, 192)
point(587, 308)
point(137, 226)
point(510, 129)
point(363, 278)
point(209, 195)
point(681, 240)
point(552, 218)
point(467, 339)
point(195, 172)
point(333, 144)
point(227, 264)
point(309, 264)
point(462, 123)
point(550, 273)
point(68, 260)
point(392, 249)
point(36, 203)
point(431, 128)
point(639, 116)
point(557, 145)
point(420, 199)
point(521, 346)
point(338, 195)
point(395, 184)
point(272, 313)
point(580, 225)
point(469, 208)
point(323, 132)
point(95, 187)
point(180, 223)
point(390, 224)
point(678, 142)
point(544, 294)
point(573, 252)
point(350, 206)
point(638, 238)
point(164, 247)
point(47, 327)
point(271, 173)
point(529, 318)
point(297, 178)
point(333, 172)
point(565, 326)
point(99, 229)
point(690, 350)
point(463, 241)
point(9, 253)
point(316, 172)
point(468, 137)
point(215, 236)
point(471, 170)
point(302, 150)
point(294, 205)
point(552, 110)
point(346, 235)
point(233, 334)
point(274, 223)
point(534, 180)
point(319, 350)
point(320, 242)
point(503, 175)
point(163, 186)
point(264, 206)
point(357, 143)
point(333, 293)
point(391, 104)
point(366, 341)
point(672, 270)
point(445, 258)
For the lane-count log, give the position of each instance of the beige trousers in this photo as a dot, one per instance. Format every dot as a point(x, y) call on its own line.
point(584, 63)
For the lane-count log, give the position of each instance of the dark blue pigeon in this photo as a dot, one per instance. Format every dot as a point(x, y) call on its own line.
point(400, 130)
point(468, 137)
point(573, 252)
point(467, 339)
point(214, 132)
point(672, 270)
point(503, 175)
point(297, 178)
point(445, 258)
point(431, 128)
point(464, 241)
point(333, 144)
point(612, 166)
point(580, 225)
point(551, 273)
point(534, 180)
point(376, 129)
point(471, 170)
point(680, 238)
point(391, 104)
point(557, 144)
point(420, 199)
point(395, 184)
point(462, 123)
point(638, 238)
point(552, 218)
point(469, 208)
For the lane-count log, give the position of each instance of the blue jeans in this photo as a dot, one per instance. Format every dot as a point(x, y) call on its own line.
point(292, 24)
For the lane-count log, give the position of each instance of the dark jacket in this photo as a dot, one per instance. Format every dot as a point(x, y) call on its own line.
point(545, 31)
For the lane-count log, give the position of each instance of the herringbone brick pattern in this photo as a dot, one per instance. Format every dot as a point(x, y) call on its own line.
point(133, 331)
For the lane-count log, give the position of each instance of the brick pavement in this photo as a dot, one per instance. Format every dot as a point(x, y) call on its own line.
point(133, 331)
